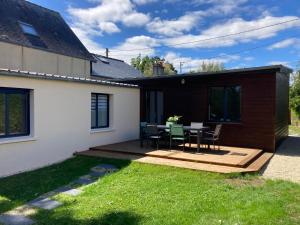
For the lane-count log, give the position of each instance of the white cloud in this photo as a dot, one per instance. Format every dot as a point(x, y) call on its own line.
point(173, 27)
point(144, 2)
point(135, 19)
point(86, 36)
point(136, 42)
point(232, 26)
point(190, 63)
point(249, 58)
point(295, 42)
point(177, 26)
point(107, 13)
point(108, 27)
point(90, 23)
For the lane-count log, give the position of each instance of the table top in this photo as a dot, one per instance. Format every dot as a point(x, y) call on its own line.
point(184, 127)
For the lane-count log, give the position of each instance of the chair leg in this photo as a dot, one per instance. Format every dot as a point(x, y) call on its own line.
point(183, 145)
point(170, 143)
point(189, 141)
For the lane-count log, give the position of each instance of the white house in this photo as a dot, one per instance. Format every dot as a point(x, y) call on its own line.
point(50, 105)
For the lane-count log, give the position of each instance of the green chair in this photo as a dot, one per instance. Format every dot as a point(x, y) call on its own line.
point(177, 134)
point(168, 125)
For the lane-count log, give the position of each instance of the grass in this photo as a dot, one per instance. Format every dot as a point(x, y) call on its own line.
point(151, 194)
point(19, 189)
point(294, 130)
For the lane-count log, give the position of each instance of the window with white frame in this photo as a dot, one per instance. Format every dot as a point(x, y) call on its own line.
point(99, 111)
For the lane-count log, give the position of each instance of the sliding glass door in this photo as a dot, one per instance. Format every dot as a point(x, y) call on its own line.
point(154, 107)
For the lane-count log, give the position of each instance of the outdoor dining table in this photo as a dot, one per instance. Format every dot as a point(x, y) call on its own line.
point(189, 128)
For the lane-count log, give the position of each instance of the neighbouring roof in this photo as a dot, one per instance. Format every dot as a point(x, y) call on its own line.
point(47, 76)
point(275, 68)
point(111, 68)
point(50, 27)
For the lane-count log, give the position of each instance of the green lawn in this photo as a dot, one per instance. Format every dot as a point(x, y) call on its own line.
point(150, 194)
point(294, 130)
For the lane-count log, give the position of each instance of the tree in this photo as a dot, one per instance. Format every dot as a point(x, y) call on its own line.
point(169, 69)
point(145, 65)
point(209, 67)
point(295, 94)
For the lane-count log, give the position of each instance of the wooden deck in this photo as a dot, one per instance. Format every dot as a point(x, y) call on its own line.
point(225, 160)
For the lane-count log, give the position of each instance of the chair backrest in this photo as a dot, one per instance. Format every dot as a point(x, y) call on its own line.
point(168, 124)
point(177, 130)
point(151, 130)
point(143, 126)
point(217, 131)
point(196, 125)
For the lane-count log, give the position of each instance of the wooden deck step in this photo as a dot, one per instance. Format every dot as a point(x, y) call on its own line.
point(260, 162)
point(226, 160)
point(208, 158)
point(164, 161)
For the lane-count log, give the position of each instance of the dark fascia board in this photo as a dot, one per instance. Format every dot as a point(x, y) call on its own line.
point(46, 76)
point(45, 49)
point(276, 68)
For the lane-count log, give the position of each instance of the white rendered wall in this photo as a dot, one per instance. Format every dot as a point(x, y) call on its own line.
point(61, 121)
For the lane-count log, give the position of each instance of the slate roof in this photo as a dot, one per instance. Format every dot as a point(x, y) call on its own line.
point(106, 67)
point(50, 26)
point(47, 76)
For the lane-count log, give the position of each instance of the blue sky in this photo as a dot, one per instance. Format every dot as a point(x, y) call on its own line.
point(152, 27)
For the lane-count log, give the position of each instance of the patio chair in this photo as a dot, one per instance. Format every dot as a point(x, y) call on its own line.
point(212, 137)
point(152, 133)
point(177, 134)
point(143, 125)
point(194, 133)
point(166, 132)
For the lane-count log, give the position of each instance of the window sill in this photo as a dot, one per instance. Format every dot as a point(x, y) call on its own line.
point(17, 139)
point(101, 130)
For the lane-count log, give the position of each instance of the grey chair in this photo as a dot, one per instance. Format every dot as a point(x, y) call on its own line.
point(152, 133)
point(213, 137)
point(194, 133)
point(143, 126)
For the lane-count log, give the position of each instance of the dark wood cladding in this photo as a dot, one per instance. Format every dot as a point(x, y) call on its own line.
point(264, 105)
point(282, 107)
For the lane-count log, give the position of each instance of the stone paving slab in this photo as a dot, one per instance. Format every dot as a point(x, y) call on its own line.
point(72, 192)
point(45, 203)
point(15, 220)
point(83, 181)
point(97, 174)
point(63, 189)
point(24, 210)
point(98, 169)
point(104, 168)
point(108, 166)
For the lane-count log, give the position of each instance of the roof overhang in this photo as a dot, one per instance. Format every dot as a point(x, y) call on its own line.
point(251, 70)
